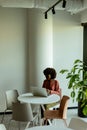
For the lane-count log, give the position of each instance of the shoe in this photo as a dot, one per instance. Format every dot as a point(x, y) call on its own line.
point(46, 122)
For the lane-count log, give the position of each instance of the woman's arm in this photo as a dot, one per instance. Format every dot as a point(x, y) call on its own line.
point(55, 89)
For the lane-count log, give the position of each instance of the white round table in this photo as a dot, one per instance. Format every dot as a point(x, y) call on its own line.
point(29, 98)
point(49, 127)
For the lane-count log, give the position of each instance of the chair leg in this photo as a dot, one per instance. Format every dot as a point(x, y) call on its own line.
point(65, 122)
point(46, 122)
point(19, 125)
point(38, 119)
point(50, 123)
point(27, 125)
point(9, 124)
point(3, 117)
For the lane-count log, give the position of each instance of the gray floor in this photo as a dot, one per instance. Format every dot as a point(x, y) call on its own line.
point(11, 124)
point(14, 125)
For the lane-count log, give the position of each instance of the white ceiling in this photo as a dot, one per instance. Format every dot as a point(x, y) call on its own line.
point(73, 6)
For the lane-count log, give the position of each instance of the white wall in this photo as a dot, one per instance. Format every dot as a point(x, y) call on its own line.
point(13, 40)
point(67, 45)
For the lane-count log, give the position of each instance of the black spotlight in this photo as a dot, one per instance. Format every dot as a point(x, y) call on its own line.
point(53, 10)
point(45, 15)
point(64, 4)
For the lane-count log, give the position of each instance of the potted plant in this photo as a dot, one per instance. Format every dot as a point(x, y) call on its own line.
point(77, 82)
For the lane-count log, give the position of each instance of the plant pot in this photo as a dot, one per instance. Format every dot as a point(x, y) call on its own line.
point(80, 113)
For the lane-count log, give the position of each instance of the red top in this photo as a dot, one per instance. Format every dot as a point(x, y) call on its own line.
point(52, 85)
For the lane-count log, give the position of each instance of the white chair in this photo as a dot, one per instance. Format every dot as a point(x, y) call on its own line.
point(2, 127)
point(77, 124)
point(22, 112)
point(10, 96)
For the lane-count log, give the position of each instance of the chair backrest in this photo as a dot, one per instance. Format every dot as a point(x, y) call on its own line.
point(22, 112)
point(63, 107)
point(2, 127)
point(11, 96)
point(77, 124)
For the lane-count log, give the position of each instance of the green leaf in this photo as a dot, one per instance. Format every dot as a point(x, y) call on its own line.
point(72, 94)
point(85, 110)
point(81, 95)
point(85, 75)
point(68, 76)
point(75, 66)
point(70, 85)
point(85, 82)
point(63, 71)
point(86, 92)
point(77, 61)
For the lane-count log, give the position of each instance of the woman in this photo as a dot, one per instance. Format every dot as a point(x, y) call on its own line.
point(50, 83)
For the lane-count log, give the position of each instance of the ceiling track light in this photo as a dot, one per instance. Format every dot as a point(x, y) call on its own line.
point(52, 7)
point(45, 15)
point(64, 4)
point(53, 11)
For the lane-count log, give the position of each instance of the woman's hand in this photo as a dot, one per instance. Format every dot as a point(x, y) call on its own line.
point(60, 93)
point(48, 91)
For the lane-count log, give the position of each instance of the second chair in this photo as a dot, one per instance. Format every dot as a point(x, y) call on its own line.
point(22, 112)
point(61, 113)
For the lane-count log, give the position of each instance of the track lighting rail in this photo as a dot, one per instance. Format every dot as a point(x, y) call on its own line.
point(53, 6)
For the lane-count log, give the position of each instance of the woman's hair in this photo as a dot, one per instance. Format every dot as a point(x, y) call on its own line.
point(50, 71)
